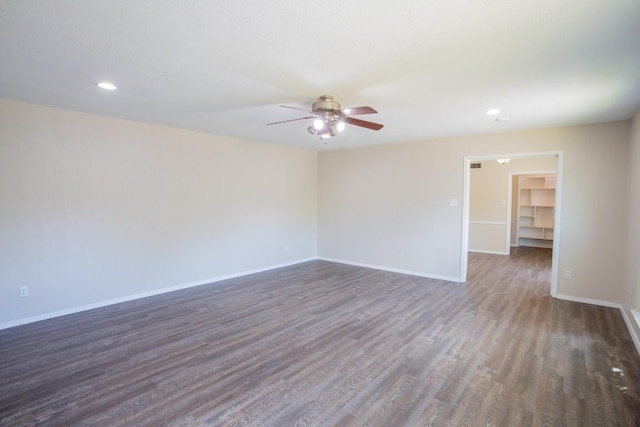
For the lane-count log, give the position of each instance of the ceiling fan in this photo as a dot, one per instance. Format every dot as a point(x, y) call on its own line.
point(331, 119)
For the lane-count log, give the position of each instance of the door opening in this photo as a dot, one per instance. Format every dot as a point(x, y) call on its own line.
point(541, 163)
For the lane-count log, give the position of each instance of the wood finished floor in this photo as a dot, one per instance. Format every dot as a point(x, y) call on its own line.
point(333, 345)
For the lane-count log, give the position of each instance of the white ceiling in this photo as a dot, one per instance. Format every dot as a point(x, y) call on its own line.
point(431, 68)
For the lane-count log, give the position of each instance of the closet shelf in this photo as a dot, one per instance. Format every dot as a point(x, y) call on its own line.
point(536, 205)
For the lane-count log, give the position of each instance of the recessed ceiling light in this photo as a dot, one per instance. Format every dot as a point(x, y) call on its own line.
point(492, 112)
point(107, 86)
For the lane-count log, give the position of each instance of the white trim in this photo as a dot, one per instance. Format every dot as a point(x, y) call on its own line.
point(557, 224)
point(629, 323)
point(507, 238)
point(466, 196)
point(589, 301)
point(482, 251)
point(393, 270)
point(100, 304)
point(479, 158)
point(488, 222)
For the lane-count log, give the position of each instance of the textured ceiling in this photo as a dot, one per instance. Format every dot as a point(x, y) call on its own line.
point(431, 68)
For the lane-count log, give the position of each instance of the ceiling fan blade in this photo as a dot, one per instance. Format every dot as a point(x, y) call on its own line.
point(301, 109)
point(356, 111)
point(363, 123)
point(292, 120)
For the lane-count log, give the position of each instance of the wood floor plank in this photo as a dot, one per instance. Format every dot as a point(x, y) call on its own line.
point(326, 344)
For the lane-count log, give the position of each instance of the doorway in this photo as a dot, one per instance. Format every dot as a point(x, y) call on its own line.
point(554, 156)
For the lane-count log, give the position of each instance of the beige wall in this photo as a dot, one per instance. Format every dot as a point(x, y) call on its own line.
point(389, 205)
point(94, 209)
point(488, 198)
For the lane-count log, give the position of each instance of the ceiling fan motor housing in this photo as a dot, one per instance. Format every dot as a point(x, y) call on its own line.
point(325, 104)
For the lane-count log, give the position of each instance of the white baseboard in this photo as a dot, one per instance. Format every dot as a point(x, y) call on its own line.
point(100, 304)
point(481, 251)
point(393, 270)
point(588, 301)
point(630, 326)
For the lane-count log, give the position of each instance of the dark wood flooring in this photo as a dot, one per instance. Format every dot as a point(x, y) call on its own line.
point(333, 345)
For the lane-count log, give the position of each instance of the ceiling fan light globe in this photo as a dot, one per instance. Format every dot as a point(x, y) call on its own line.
point(340, 126)
point(318, 124)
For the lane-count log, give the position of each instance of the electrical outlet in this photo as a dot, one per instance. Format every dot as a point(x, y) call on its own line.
point(568, 275)
point(23, 291)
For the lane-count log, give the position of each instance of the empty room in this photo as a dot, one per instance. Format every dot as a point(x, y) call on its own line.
point(319, 213)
